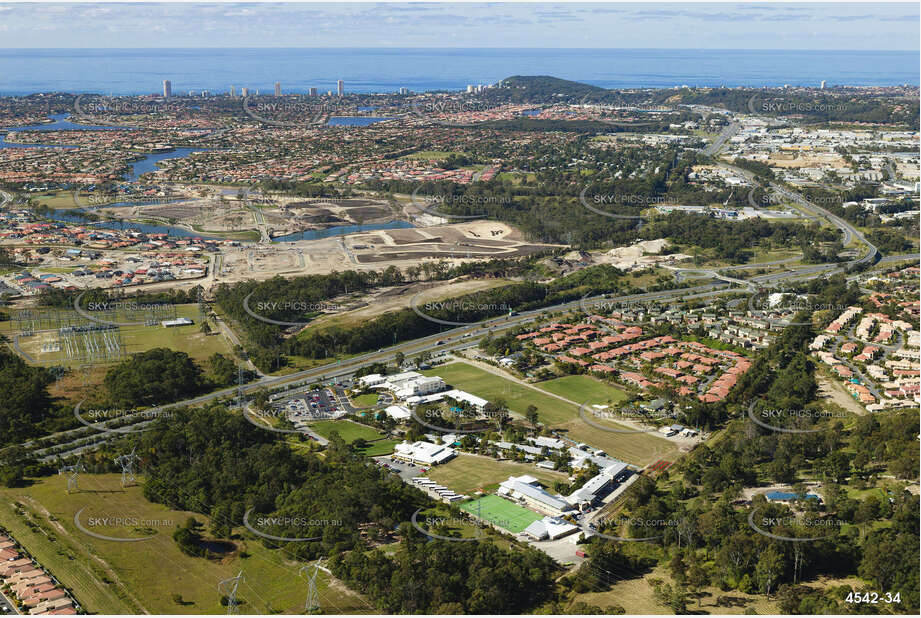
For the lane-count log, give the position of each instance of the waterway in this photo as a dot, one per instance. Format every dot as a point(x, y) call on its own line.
point(75, 216)
point(60, 122)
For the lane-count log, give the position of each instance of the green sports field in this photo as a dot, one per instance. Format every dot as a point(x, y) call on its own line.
point(347, 430)
point(350, 431)
point(583, 388)
point(501, 512)
point(490, 386)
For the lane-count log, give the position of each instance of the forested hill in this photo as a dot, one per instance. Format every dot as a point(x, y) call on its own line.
point(535, 87)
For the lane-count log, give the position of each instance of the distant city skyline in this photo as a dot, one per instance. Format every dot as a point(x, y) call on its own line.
point(801, 26)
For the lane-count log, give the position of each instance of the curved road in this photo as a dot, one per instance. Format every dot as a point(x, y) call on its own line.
point(465, 336)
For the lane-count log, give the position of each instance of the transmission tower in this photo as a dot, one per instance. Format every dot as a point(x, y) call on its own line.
point(202, 307)
point(313, 597)
point(72, 473)
point(241, 401)
point(127, 463)
point(231, 585)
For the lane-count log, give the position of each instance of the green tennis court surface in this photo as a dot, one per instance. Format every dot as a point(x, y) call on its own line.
point(501, 512)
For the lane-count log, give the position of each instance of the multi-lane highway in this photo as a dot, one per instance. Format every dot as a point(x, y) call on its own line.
point(468, 335)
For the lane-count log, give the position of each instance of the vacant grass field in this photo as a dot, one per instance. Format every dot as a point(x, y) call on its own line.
point(111, 577)
point(347, 429)
point(639, 449)
point(501, 512)
point(517, 396)
point(188, 339)
point(468, 473)
point(584, 388)
point(62, 199)
point(380, 447)
point(366, 400)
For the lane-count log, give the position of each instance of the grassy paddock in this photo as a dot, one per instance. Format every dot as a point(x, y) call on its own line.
point(110, 577)
point(490, 386)
point(581, 388)
point(365, 401)
point(468, 473)
point(348, 430)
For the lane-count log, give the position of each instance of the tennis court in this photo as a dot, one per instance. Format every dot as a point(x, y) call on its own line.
point(501, 512)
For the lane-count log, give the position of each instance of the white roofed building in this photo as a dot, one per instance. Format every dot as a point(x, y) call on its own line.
point(425, 453)
point(524, 489)
point(463, 397)
point(398, 413)
point(420, 386)
point(549, 528)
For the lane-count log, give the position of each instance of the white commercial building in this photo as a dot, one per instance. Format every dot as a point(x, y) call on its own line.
point(424, 453)
point(478, 403)
point(554, 444)
point(419, 387)
point(525, 489)
point(398, 413)
point(404, 385)
point(549, 528)
point(177, 322)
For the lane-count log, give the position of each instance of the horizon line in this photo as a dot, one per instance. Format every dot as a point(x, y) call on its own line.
point(726, 49)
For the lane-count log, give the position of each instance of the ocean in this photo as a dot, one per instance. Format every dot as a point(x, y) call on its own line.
point(141, 71)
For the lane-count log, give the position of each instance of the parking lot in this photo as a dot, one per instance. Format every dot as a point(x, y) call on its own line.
point(314, 405)
point(405, 470)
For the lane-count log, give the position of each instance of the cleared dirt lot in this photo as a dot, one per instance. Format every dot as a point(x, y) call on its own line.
point(393, 299)
point(832, 391)
point(453, 243)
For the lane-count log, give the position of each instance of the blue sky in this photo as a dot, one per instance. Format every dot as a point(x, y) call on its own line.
point(853, 26)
